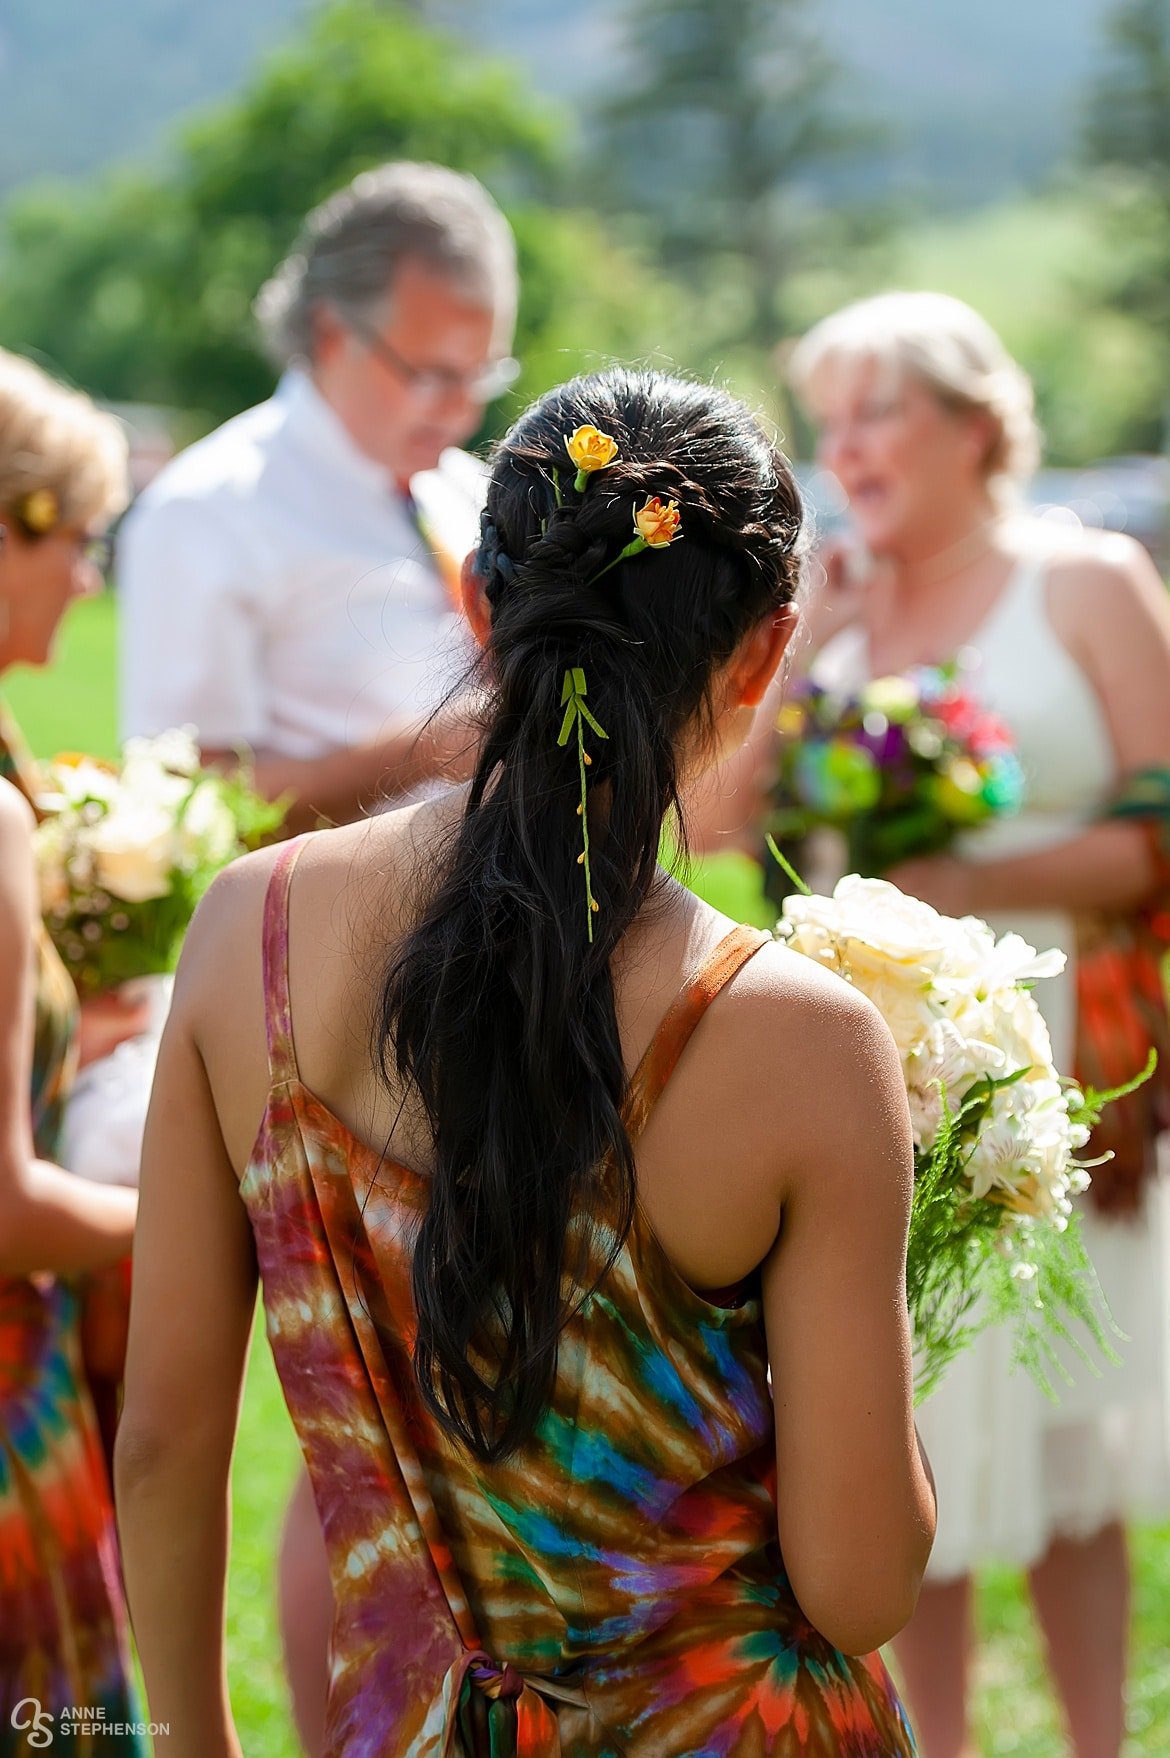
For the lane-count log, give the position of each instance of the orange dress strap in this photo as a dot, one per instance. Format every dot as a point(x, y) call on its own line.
point(278, 1027)
point(683, 1015)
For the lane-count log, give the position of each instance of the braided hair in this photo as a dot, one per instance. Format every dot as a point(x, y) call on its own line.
point(498, 1007)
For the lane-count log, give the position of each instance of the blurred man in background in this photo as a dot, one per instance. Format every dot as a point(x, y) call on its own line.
point(290, 584)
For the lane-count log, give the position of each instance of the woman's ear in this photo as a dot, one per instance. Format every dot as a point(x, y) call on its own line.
point(760, 654)
point(476, 608)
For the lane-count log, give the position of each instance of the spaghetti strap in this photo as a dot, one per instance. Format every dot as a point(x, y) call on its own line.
point(282, 1056)
point(683, 1015)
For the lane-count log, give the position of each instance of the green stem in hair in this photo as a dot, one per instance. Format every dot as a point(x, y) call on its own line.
point(585, 828)
point(573, 692)
point(634, 547)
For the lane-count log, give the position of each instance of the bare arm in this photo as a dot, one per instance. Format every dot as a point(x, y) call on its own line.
point(49, 1220)
point(344, 785)
point(1110, 866)
point(191, 1314)
point(855, 1501)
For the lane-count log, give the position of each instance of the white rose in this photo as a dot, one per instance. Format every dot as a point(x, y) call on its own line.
point(949, 993)
point(896, 929)
point(133, 853)
point(1019, 1027)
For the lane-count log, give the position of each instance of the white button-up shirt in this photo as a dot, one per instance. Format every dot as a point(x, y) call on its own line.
point(275, 589)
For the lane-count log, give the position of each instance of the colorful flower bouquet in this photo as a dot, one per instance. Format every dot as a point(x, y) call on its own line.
point(125, 852)
point(899, 769)
point(994, 1235)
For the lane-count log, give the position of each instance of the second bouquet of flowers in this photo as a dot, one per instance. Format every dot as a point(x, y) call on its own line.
point(125, 853)
point(898, 770)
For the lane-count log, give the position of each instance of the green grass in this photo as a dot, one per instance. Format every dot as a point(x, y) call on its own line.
point(265, 1467)
point(71, 706)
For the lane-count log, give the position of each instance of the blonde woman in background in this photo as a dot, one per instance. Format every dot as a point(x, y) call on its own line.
point(927, 424)
point(62, 1618)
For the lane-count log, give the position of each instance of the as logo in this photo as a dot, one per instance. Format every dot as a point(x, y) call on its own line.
point(30, 1718)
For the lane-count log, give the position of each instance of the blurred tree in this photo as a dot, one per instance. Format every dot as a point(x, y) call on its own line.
point(1128, 139)
point(140, 287)
point(713, 141)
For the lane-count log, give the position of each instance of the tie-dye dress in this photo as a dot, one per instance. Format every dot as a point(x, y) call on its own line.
point(63, 1628)
point(617, 1586)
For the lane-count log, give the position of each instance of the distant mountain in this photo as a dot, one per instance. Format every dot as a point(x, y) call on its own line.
point(978, 99)
point(87, 82)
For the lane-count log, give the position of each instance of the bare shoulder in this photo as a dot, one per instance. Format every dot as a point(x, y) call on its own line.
point(1092, 572)
point(227, 930)
point(800, 997)
point(1111, 610)
point(818, 1063)
point(220, 1004)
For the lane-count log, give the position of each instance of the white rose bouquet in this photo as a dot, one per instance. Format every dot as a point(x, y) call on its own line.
point(125, 852)
point(994, 1233)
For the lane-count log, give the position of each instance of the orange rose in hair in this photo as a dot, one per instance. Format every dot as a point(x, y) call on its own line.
point(657, 524)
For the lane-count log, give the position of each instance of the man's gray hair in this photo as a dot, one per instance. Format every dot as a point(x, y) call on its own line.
point(351, 247)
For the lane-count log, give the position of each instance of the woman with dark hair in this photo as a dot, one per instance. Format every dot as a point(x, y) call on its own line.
point(524, 1294)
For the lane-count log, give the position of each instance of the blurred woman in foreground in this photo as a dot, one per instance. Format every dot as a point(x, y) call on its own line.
point(62, 1620)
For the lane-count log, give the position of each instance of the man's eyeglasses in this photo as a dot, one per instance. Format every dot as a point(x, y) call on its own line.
point(482, 385)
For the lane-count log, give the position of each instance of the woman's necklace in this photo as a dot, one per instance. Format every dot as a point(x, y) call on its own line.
point(943, 565)
point(958, 555)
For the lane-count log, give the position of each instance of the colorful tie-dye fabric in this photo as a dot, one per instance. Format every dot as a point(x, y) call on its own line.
point(617, 1586)
point(62, 1615)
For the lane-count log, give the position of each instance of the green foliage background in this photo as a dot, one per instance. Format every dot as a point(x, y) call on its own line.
point(139, 286)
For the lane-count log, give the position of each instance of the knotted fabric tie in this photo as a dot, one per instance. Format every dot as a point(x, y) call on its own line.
point(495, 1682)
point(498, 1712)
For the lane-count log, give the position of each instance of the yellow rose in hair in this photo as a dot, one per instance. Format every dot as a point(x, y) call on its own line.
point(657, 524)
point(38, 511)
point(590, 450)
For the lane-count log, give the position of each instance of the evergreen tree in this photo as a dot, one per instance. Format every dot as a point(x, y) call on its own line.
point(1128, 139)
point(714, 142)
